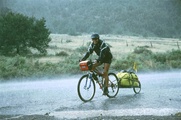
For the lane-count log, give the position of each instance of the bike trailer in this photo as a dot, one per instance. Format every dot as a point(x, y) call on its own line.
point(85, 65)
point(127, 79)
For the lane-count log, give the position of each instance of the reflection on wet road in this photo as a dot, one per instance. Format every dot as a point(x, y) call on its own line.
point(160, 94)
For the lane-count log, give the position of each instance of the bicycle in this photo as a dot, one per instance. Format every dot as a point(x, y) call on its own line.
point(86, 85)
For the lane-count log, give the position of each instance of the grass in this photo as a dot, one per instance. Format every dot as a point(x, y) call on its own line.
point(120, 45)
point(150, 54)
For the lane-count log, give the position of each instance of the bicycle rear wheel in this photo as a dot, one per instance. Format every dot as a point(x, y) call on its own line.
point(86, 88)
point(113, 87)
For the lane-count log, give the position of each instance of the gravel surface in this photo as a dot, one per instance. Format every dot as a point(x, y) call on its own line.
point(177, 116)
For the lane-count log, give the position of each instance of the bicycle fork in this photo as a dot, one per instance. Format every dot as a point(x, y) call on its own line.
point(88, 85)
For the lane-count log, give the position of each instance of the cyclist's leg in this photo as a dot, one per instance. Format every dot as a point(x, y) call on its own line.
point(107, 62)
point(105, 73)
point(95, 65)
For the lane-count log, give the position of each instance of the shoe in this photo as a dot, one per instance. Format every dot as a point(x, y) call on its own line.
point(105, 92)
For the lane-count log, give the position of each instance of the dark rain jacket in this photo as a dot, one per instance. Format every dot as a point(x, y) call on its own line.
point(101, 49)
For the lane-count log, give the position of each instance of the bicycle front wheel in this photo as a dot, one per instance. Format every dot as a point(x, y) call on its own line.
point(86, 88)
point(113, 87)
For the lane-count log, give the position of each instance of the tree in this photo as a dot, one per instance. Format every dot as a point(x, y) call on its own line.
point(19, 33)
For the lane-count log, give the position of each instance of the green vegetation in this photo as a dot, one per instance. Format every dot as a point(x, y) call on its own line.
point(148, 61)
point(23, 67)
point(30, 67)
point(20, 33)
point(62, 53)
point(158, 18)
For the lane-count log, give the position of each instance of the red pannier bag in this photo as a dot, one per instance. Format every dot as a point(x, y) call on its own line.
point(85, 65)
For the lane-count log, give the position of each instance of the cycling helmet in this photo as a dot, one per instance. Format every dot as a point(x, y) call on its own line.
point(95, 36)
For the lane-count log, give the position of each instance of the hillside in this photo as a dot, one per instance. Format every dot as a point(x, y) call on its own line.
point(155, 18)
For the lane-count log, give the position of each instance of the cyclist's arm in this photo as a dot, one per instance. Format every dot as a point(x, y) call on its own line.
point(87, 54)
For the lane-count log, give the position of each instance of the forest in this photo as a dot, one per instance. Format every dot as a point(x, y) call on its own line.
point(147, 18)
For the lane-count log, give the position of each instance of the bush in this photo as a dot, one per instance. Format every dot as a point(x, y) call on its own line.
point(121, 64)
point(174, 55)
point(175, 64)
point(160, 57)
point(62, 53)
point(142, 49)
point(81, 49)
point(68, 41)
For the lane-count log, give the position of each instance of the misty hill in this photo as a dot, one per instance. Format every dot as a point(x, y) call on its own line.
point(161, 18)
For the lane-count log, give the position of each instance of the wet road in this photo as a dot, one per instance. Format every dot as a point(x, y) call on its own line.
point(160, 95)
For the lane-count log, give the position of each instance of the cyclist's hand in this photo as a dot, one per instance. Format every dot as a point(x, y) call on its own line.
point(95, 61)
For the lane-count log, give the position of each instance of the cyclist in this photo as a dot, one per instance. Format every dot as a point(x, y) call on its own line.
point(105, 56)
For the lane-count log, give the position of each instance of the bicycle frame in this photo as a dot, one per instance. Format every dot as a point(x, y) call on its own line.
point(90, 76)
